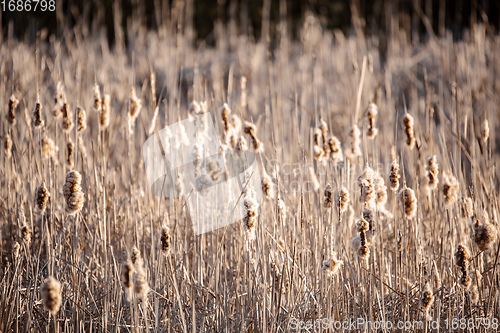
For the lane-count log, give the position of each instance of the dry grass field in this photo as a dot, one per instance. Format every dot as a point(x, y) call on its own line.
point(382, 196)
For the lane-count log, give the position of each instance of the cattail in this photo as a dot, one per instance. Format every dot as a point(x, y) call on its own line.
point(462, 256)
point(250, 204)
point(450, 188)
point(432, 171)
point(81, 118)
point(335, 150)
point(328, 196)
point(194, 108)
point(59, 100)
point(332, 265)
point(368, 216)
point(243, 85)
point(353, 141)
point(51, 295)
point(281, 209)
point(366, 185)
point(8, 146)
point(134, 108)
point(136, 256)
point(11, 113)
point(410, 135)
point(241, 144)
point(485, 234)
point(26, 234)
point(72, 191)
point(394, 172)
point(225, 111)
point(47, 147)
point(42, 196)
point(313, 178)
point(251, 130)
point(408, 202)
point(467, 207)
point(427, 297)
point(165, 240)
point(267, 184)
point(67, 121)
point(485, 131)
point(371, 114)
point(380, 190)
point(362, 226)
point(342, 200)
point(141, 287)
point(476, 278)
point(37, 120)
point(70, 161)
point(97, 99)
point(15, 250)
point(319, 153)
point(127, 278)
point(105, 112)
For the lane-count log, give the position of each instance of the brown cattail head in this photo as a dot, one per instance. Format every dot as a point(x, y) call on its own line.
point(467, 207)
point(97, 99)
point(105, 111)
point(26, 234)
point(251, 130)
point(462, 256)
point(363, 252)
point(380, 190)
point(250, 204)
point(485, 234)
point(81, 118)
point(136, 256)
point(394, 172)
point(8, 146)
point(432, 171)
point(335, 149)
point(51, 295)
point(127, 278)
point(267, 184)
point(371, 114)
point(134, 108)
point(328, 196)
point(353, 149)
point(59, 99)
point(369, 216)
point(485, 131)
point(225, 111)
point(141, 287)
point(72, 191)
point(408, 129)
point(70, 161)
point(332, 265)
point(342, 200)
point(37, 120)
point(408, 202)
point(450, 188)
point(42, 196)
point(11, 113)
point(67, 118)
point(165, 240)
point(362, 225)
point(15, 250)
point(427, 297)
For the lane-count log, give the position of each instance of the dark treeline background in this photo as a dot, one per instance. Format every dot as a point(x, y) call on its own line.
point(417, 17)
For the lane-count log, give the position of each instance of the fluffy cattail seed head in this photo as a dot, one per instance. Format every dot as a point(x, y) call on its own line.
point(42, 196)
point(15, 250)
point(141, 287)
point(462, 256)
point(335, 149)
point(26, 234)
point(485, 234)
point(408, 202)
point(47, 147)
point(353, 149)
point(394, 172)
point(81, 118)
point(450, 188)
point(332, 265)
point(59, 99)
point(251, 130)
point(342, 199)
point(427, 297)
point(136, 256)
point(134, 108)
point(72, 191)
point(11, 114)
point(366, 185)
point(97, 99)
point(267, 184)
point(127, 278)
point(371, 114)
point(362, 225)
point(432, 171)
point(408, 129)
point(250, 204)
point(67, 118)
point(51, 295)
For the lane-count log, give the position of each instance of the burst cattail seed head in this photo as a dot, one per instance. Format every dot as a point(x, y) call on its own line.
point(26, 234)
point(67, 121)
point(371, 114)
point(81, 118)
point(42, 196)
point(485, 234)
point(365, 183)
point(328, 196)
point(353, 141)
point(332, 265)
point(165, 240)
point(342, 200)
point(105, 111)
point(267, 184)
point(427, 297)
point(51, 295)
point(432, 171)
point(97, 99)
point(72, 191)
point(450, 188)
point(394, 172)
point(408, 202)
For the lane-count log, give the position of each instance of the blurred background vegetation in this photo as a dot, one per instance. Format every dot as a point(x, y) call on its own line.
point(417, 17)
